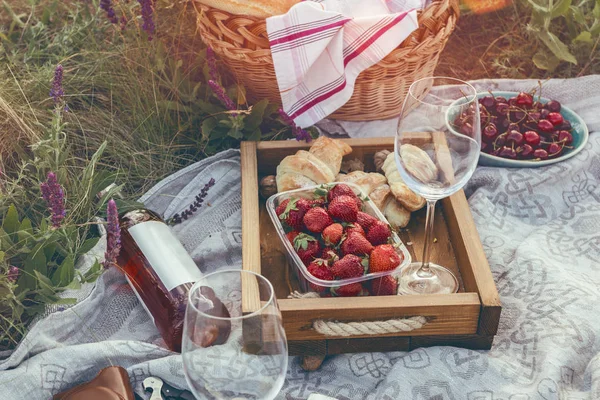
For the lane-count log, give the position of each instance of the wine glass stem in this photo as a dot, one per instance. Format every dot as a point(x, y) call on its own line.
point(424, 271)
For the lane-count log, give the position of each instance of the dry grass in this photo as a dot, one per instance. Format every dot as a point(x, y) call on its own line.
point(497, 45)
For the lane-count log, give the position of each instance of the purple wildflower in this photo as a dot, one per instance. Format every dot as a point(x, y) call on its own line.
point(147, 12)
point(220, 92)
point(57, 92)
point(106, 5)
point(299, 133)
point(211, 60)
point(54, 195)
point(13, 274)
point(113, 241)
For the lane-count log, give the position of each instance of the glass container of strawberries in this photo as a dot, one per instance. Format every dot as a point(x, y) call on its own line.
point(338, 243)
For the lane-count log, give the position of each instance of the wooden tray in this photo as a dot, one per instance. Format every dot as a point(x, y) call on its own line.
point(466, 319)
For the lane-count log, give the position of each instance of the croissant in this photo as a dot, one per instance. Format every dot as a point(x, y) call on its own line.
point(331, 152)
point(375, 186)
point(319, 165)
point(409, 199)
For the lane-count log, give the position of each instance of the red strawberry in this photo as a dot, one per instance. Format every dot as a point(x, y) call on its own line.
point(330, 255)
point(365, 220)
point(348, 267)
point(318, 268)
point(340, 190)
point(317, 202)
point(355, 228)
point(351, 290)
point(384, 286)
point(292, 235)
point(343, 190)
point(316, 219)
point(307, 247)
point(379, 233)
point(292, 212)
point(344, 208)
point(384, 258)
point(355, 243)
point(333, 234)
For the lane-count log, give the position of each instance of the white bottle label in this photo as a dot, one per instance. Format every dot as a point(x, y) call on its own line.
point(165, 253)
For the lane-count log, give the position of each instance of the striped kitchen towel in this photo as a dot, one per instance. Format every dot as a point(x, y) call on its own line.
point(320, 47)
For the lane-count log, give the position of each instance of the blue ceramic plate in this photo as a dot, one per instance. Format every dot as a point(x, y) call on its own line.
point(580, 137)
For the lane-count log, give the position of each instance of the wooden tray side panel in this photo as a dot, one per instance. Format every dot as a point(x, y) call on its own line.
point(446, 314)
point(470, 255)
point(250, 226)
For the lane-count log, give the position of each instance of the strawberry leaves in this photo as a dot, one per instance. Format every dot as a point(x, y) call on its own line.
point(301, 241)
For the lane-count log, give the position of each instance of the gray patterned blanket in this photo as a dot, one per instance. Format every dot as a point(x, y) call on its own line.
point(541, 233)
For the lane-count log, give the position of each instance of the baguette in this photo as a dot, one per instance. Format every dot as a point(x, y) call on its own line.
point(253, 8)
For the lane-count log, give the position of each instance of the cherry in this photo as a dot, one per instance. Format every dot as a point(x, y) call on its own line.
point(501, 99)
point(500, 140)
point(517, 115)
point(514, 137)
point(513, 127)
point(555, 118)
point(565, 137)
point(512, 101)
point(502, 108)
point(566, 125)
point(484, 147)
point(490, 132)
point(545, 126)
point(466, 129)
point(508, 152)
point(544, 113)
point(540, 153)
point(554, 149)
point(503, 124)
point(552, 106)
point(532, 138)
point(527, 150)
point(524, 99)
point(488, 102)
point(535, 116)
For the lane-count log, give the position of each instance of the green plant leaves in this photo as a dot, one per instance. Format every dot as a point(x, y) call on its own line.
point(560, 8)
point(65, 272)
point(538, 7)
point(11, 220)
point(585, 37)
point(255, 119)
point(577, 15)
point(88, 245)
point(546, 61)
point(558, 48)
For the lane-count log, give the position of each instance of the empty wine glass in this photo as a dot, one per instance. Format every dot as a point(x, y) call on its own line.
point(437, 148)
point(234, 347)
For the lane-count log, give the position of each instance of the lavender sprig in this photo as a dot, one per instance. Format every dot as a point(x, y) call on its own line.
point(147, 17)
point(113, 241)
point(57, 92)
point(54, 195)
point(184, 215)
point(106, 5)
point(223, 97)
point(211, 61)
point(13, 274)
point(299, 133)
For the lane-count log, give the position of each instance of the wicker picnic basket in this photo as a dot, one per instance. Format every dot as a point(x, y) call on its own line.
point(242, 44)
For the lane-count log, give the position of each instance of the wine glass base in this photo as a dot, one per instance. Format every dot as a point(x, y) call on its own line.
point(441, 282)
